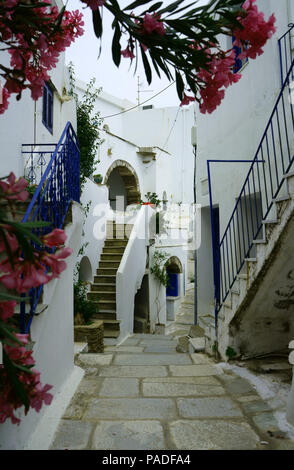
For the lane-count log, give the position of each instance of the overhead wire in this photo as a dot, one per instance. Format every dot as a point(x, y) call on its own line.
point(137, 105)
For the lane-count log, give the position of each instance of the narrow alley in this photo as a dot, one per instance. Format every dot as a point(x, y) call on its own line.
point(143, 395)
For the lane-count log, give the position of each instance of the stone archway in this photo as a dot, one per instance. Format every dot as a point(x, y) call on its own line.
point(122, 180)
point(174, 265)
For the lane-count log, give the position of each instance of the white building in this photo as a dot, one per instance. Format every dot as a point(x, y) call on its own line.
point(248, 280)
point(143, 150)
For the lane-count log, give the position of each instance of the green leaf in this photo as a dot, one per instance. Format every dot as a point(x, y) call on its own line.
point(136, 4)
point(97, 23)
point(6, 331)
point(116, 47)
point(179, 84)
point(4, 296)
point(154, 7)
point(16, 384)
point(147, 67)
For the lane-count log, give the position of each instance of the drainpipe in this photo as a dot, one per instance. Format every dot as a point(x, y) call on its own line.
point(194, 144)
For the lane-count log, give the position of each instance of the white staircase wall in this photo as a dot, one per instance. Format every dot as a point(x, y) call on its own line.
point(131, 271)
point(94, 228)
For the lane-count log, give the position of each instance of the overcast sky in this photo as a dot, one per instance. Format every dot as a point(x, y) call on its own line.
point(120, 82)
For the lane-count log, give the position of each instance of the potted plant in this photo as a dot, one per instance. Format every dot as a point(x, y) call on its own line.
point(85, 328)
point(98, 178)
point(152, 200)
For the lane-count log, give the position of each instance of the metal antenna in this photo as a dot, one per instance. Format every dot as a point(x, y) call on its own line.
point(141, 91)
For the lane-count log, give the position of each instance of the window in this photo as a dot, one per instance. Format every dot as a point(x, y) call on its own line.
point(238, 62)
point(47, 113)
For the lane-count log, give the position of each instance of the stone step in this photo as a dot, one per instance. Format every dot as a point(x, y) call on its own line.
point(111, 333)
point(106, 304)
point(104, 280)
point(101, 296)
point(111, 257)
point(109, 264)
point(101, 286)
point(112, 242)
point(105, 315)
point(107, 271)
point(110, 324)
point(114, 250)
point(196, 345)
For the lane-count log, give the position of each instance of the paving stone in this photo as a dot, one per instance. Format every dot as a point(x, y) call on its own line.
point(256, 407)
point(149, 337)
point(180, 390)
point(238, 386)
point(75, 409)
point(152, 359)
point(199, 358)
point(210, 407)
point(126, 435)
point(207, 380)
point(90, 360)
point(133, 371)
point(194, 370)
point(266, 422)
point(72, 435)
point(247, 398)
point(213, 435)
point(158, 343)
point(119, 387)
point(160, 348)
point(131, 342)
point(89, 386)
point(131, 408)
point(124, 349)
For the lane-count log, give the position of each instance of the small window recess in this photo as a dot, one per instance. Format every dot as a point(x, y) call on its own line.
point(47, 111)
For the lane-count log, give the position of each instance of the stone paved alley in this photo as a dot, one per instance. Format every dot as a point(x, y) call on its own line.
point(144, 395)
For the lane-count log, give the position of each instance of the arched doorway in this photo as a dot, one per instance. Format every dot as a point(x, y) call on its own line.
point(122, 180)
point(174, 271)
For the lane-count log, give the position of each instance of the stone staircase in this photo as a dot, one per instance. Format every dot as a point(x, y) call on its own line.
point(103, 289)
point(257, 316)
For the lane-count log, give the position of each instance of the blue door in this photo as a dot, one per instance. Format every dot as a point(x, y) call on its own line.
point(172, 289)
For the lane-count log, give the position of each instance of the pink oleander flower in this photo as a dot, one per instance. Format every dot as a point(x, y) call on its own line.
point(7, 237)
point(94, 4)
point(187, 100)
point(37, 394)
point(14, 189)
point(4, 95)
point(151, 24)
point(7, 309)
point(256, 31)
point(55, 238)
point(128, 53)
point(25, 274)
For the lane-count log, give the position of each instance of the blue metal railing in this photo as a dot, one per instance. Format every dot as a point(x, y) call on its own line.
point(262, 186)
point(286, 49)
point(59, 185)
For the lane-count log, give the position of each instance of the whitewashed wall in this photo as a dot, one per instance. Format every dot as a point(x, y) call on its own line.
point(94, 228)
point(22, 121)
point(233, 132)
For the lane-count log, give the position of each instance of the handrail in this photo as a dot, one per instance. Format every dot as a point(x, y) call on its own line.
point(59, 186)
point(286, 49)
point(263, 183)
